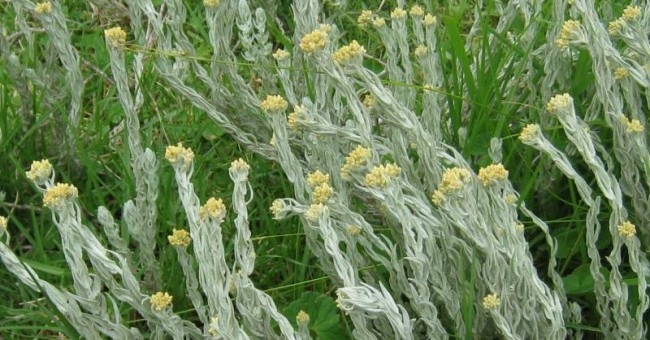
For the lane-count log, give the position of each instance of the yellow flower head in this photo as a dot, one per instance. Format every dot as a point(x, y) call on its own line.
point(315, 40)
point(239, 165)
point(632, 125)
point(160, 301)
point(621, 73)
point(281, 54)
point(491, 301)
point(276, 209)
point(559, 102)
point(179, 155)
point(353, 230)
point(39, 172)
point(631, 12)
point(322, 193)
point(421, 50)
point(453, 179)
point(302, 319)
point(429, 20)
point(381, 175)
point(355, 159)
point(3, 224)
point(492, 173)
point(56, 196)
point(116, 37)
point(214, 209)
point(179, 238)
point(211, 3)
point(569, 31)
point(348, 52)
point(313, 212)
point(364, 18)
point(398, 13)
point(369, 101)
point(615, 27)
point(274, 104)
point(317, 178)
point(437, 197)
point(510, 198)
point(529, 132)
point(626, 230)
point(43, 7)
point(416, 11)
point(379, 22)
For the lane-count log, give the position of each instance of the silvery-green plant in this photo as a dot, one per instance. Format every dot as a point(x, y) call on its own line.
point(367, 148)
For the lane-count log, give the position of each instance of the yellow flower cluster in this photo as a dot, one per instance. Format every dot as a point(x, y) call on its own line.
point(369, 101)
point(348, 52)
point(365, 18)
point(529, 132)
point(115, 36)
point(398, 13)
point(55, 196)
point(315, 40)
point(630, 13)
point(179, 238)
point(453, 179)
point(239, 165)
point(379, 22)
point(615, 27)
point(214, 209)
point(211, 3)
point(416, 11)
point(281, 54)
point(569, 29)
point(491, 301)
point(302, 319)
point(294, 118)
point(558, 102)
point(3, 224)
point(621, 73)
point(355, 159)
point(276, 209)
point(510, 198)
point(493, 172)
point(273, 104)
point(314, 211)
point(632, 125)
point(317, 178)
point(160, 301)
point(381, 175)
point(429, 20)
point(177, 154)
point(626, 229)
point(43, 7)
point(421, 50)
point(353, 230)
point(40, 171)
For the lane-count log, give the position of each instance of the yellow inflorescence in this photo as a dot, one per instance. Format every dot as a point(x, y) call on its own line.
point(276, 208)
point(569, 29)
point(621, 73)
point(160, 301)
point(302, 318)
point(369, 101)
point(239, 165)
point(316, 40)
point(353, 230)
point(355, 159)
point(115, 36)
point(317, 178)
point(615, 27)
point(179, 238)
point(379, 22)
point(453, 179)
point(314, 211)
point(381, 175)
point(421, 50)
point(365, 18)
point(631, 12)
point(214, 209)
point(55, 196)
point(529, 132)
point(273, 104)
point(43, 7)
point(177, 154)
point(295, 117)
point(493, 172)
point(558, 102)
point(348, 52)
point(281, 54)
point(416, 11)
point(398, 13)
point(3, 224)
point(211, 3)
point(626, 229)
point(40, 171)
point(429, 20)
point(322, 193)
point(491, 301)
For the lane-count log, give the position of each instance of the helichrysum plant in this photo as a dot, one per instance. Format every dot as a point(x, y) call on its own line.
point(405, 155)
